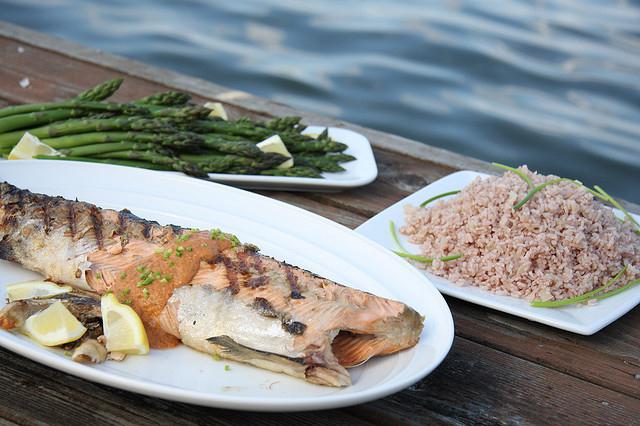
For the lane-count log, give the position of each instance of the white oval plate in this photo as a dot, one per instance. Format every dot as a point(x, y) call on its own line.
point(361, 171)
point(283, 231)
point(577, 319)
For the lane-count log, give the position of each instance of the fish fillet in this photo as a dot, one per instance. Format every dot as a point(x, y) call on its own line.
point(205, 289)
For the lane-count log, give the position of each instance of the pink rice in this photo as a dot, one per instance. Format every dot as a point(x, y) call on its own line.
point(560, 244)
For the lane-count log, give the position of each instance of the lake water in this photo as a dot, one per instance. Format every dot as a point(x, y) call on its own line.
point(554, 84)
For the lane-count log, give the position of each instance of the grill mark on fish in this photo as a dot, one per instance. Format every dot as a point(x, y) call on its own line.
point(294, 327)
point(243, 265)
point(71, 219)
point(45, 216)
point(232, 275)
point(256, 282)
point(264, 307)
point(96, 221)
point(293, 283)
point(146, 229)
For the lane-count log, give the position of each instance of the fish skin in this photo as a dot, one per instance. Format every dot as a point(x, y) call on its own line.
point(224, 299)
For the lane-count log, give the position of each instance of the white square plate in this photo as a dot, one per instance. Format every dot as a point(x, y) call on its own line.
point(577, 319)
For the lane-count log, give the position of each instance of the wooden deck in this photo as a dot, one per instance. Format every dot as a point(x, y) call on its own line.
point(501, 369)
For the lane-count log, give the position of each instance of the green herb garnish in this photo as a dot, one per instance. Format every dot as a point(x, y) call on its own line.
point(520, 173)
point(539, 188)
point(145, 282)
point(593, 294)
point(140, 268)
point(424, 203)
point(403, 253)
point(145, 293)
point(123, 275)
point(98, 276)
point(227, 367)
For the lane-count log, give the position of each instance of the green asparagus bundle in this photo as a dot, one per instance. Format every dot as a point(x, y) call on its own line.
point(164, 131)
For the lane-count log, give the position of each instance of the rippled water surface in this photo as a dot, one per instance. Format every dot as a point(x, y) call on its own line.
point(554, 84)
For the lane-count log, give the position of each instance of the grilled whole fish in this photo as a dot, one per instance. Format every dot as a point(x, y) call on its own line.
point(205, 289)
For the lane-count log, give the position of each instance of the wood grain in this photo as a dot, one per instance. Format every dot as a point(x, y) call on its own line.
point(502, 369)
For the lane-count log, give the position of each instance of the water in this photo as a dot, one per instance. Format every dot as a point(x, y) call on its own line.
point(554, 84)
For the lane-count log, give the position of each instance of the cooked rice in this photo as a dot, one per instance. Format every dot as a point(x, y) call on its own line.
point(560, 244)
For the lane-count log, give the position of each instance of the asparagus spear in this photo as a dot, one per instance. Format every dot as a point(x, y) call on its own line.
point(182, 140)
point(296, 171)
point(126, 109)
point(158, 124)
point(130, 163)
point(32, 119)
point(101, 148)
point(284, 124)
point(101, 92)
point(215, 163)
point(324, 163)
point(169, 98)
point(295, 142)
point(154, 157)
point(185, 113)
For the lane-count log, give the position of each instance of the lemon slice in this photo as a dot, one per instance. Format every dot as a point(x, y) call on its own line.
point(275, 144)
point(54, 326)
point(37, 289)
point(217, 110)
point(122, 327)
point(30, 146)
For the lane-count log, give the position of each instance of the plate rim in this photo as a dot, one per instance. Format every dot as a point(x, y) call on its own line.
point(486, 299)
point(249, 403)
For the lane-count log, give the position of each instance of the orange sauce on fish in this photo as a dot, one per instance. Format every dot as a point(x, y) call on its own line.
point(144, 274)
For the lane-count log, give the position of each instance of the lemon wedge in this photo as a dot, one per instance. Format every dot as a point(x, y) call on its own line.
point(54, 326)
point(37, 289)
point(275, 144)
point(122, 327)
point(30, 146)
point(217, 110)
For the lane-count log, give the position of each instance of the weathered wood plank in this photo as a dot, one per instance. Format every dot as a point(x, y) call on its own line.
point(479, 385)
point(610, 358)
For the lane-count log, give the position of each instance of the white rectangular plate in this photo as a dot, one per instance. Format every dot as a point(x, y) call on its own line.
point(280, 230)
point(361, 171)
point(577, 319)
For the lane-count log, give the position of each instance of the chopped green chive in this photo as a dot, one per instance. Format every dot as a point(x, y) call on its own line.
point(157, 275)
point(537, 189)
point(227, 367)
point(171, 264)
point(140, 268)
point(216, 357)
point(593, 294)
point(125, 292)
point(437, 197)
point(145, 293)
point(68, 353)
point(123, 275)
point(520, 173)
point(423, 259)
point(158, 250)
point(127, 302)
point(205, 245)
point(403, 253)
point(98, 275)
point(143, 283)
point(617, 205)
point(167, 254)
point(189, 248)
